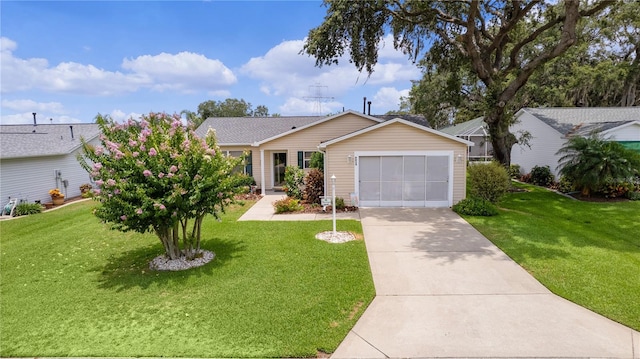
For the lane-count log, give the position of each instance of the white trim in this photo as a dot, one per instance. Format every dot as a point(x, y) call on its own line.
point(395, 120)
point(263, 185)
point(258, 143)
point(621, 127)
point(450, 179)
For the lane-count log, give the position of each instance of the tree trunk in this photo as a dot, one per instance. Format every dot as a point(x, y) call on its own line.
point(501, 139)
point(631, 82)
point(167, 236)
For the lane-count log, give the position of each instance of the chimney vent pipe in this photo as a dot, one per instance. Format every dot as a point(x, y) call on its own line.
point(71, 128)
point(34, 119)
point(364, 105)
point(369, 103)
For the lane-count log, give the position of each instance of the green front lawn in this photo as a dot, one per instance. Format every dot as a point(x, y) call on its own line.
point(586, 252)
point(71, 287)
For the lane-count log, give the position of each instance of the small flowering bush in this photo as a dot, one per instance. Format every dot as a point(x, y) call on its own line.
point(156, 175)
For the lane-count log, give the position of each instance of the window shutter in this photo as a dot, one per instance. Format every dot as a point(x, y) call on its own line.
point(300, 159)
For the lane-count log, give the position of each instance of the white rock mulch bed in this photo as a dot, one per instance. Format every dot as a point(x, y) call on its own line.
point(339, 237)
point(163, 263)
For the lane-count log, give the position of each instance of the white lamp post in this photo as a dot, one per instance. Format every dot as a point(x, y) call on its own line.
point(333, 202)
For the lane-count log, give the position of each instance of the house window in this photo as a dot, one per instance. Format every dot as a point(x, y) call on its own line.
point(304, 159)
point(246, 167)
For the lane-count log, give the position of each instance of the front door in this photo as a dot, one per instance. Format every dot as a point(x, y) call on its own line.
point(279, 165)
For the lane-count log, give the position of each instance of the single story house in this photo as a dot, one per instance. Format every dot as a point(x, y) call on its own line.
point(377, 162)
point(550, 128)
point(36, 159)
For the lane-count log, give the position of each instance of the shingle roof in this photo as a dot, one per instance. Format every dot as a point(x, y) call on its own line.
point(18, 141)
point(465, 128)
point(247, 130)
point(575, 120)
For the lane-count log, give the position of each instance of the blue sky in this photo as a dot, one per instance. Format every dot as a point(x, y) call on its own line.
point(69, 61)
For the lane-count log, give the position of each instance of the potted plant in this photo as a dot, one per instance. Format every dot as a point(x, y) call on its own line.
point(86, 187)
point(56, 197)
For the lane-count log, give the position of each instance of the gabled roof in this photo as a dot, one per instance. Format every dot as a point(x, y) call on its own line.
point(254, 131)
point(248, 130)
point(386, 123)
point(20, 141)
point(583, 120)
point(467, 128)
point(417, 119)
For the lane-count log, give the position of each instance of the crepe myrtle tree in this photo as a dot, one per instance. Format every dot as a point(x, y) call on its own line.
point(156, 175)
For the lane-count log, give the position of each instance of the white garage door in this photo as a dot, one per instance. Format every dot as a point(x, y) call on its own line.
point(404, 181)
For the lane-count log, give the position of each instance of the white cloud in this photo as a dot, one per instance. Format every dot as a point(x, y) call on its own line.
point(386, 50)
point(44, 118)
point(184, 71)
point(7, 44)
point(285, 72)
point(296, 106)
point(46, 112)
point(120, 116)
point(388, 97)
point(33, 106)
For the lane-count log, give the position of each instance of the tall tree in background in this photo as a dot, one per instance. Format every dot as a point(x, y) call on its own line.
point(601, 70)
point(502, 42)
point(230, 107)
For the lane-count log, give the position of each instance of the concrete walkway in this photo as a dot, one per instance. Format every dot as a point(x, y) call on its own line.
point(444, 290)
point(263, 211)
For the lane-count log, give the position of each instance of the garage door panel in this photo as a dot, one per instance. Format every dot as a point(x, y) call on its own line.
point(437, 168)
point(391, 191)
point(414, 191)
point(369, 191)
point(437, 191)
point(404, 181)
point(414, 168)
point(391, 169)
point(370, 169)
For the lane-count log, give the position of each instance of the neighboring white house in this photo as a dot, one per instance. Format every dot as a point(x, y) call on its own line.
point(35, 159)
point(550, 128)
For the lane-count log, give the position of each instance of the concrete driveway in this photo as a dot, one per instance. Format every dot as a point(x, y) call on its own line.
point(444, 290)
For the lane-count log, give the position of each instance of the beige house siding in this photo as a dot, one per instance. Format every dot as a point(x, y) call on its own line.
point(306, 139)
point(394, 137)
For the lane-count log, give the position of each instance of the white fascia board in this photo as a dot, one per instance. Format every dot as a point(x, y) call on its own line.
point(396, 120)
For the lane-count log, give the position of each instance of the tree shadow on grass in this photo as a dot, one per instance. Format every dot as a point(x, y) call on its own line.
point(131, 269)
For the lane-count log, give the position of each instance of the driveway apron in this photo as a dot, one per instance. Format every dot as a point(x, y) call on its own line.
point(444, 290)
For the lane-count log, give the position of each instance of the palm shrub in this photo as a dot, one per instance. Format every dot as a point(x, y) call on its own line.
point(155, 175)
point(488, 181)
point(590, 162)
point(293, 181)
point(313, 186)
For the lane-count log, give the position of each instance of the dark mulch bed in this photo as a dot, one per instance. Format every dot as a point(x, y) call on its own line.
point(597, 198)
point(316, 208)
